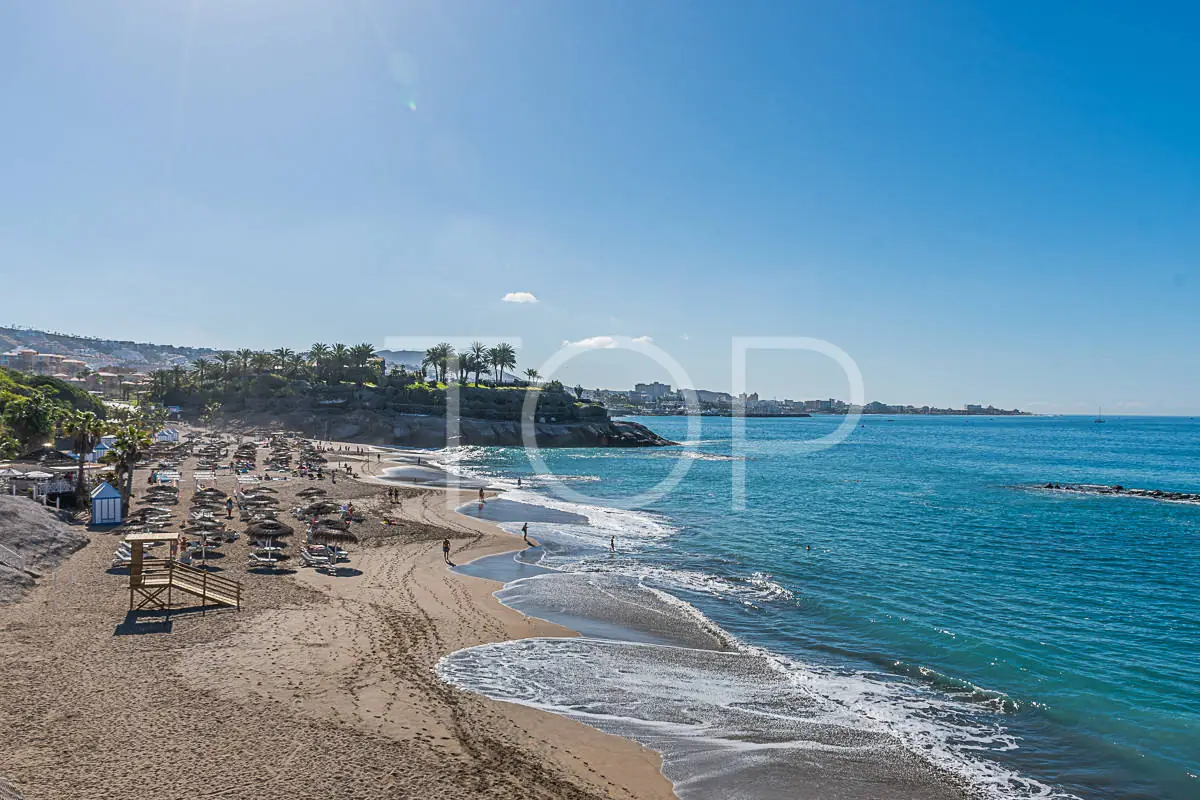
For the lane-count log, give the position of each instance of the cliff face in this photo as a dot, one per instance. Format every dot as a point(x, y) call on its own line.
point(375, 427)
point(431, 432)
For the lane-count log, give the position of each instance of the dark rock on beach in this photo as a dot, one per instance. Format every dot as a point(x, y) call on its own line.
point(32, 541)
point(8, 791)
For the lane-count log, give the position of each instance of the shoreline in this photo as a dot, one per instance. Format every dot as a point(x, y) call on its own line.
point(321, 687)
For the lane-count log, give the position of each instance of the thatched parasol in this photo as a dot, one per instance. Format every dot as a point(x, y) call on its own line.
point(321, 507)
point(334, 535)
point(269, 528)
point(333, 524)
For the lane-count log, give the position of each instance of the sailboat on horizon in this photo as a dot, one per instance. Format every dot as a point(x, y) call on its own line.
point(1099, 415)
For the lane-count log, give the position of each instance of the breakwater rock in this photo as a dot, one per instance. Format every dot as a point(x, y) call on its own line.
point(1117, 489)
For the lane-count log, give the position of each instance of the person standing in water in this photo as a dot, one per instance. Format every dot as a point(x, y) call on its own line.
point(612, 544)
point(481, 499)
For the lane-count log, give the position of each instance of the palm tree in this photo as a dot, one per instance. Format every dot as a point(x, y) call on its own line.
point(225, 360)
point(243, 356)
point(262, 362)
point(295, 364)
point(132, 441)
point(160, 383)
point(283, 357)
point(200, 368)
point(502, 356)
point(339, 356)
point(439, 358)
point(85, 430)
point(318, 353)
point(359, 358)
point(533, 375)
point(177, 375)
point(479, 356)
point(430, 361)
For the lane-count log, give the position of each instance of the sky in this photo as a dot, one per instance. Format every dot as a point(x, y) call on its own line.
point(992, 202)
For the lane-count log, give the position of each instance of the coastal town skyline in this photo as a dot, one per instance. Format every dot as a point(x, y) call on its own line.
point(111, 367)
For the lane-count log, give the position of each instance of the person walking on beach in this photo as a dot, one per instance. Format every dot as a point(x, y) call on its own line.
point(228, 508)
point(446, 551)
point(525, 532)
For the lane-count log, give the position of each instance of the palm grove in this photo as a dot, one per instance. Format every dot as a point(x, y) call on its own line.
point(267, 373)
point(34, 409)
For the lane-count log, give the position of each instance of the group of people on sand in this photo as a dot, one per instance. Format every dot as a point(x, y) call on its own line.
point(393, 495)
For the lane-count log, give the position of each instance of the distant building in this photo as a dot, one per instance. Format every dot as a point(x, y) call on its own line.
point(703, 397)
point(22, 359)
point(971, 408)
point(653, 392)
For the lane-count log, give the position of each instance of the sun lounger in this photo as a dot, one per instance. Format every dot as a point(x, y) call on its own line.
point(313, 560)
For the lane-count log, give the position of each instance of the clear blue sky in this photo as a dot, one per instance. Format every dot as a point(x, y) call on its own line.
point(980, 202)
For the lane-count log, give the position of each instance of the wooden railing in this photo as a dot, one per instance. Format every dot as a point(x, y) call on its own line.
point(221, 585)
point(199, 578)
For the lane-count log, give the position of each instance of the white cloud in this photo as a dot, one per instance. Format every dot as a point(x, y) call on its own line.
point(520, 297)
point(593, 343)
point(604, 342)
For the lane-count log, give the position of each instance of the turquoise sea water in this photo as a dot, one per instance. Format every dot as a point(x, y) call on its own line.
point(1030, 642)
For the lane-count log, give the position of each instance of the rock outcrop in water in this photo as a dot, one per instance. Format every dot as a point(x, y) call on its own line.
point(1118, 489)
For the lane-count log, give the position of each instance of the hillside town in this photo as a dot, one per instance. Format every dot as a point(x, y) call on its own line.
point(660, 399)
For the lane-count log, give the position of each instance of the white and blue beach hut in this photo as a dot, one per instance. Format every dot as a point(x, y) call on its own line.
point(106, 505)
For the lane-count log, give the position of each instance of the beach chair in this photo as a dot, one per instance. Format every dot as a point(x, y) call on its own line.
point(313, 559)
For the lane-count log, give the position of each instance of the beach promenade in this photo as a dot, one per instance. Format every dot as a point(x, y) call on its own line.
point(321, 687)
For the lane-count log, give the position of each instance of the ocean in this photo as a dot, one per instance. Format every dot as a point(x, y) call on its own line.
point(906, 614)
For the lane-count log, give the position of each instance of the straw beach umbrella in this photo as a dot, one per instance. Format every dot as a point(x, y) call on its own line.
point(270, 530)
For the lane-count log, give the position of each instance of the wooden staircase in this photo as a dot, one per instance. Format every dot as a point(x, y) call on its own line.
point(166, 576)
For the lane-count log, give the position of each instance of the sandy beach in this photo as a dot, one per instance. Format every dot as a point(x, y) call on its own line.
point(320, 687)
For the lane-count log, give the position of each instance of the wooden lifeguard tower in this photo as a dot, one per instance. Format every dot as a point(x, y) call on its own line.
point(152, 581)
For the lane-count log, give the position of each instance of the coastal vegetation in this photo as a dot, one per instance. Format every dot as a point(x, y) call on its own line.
point(348, 392)
point(346, 377)
point(32, 407)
